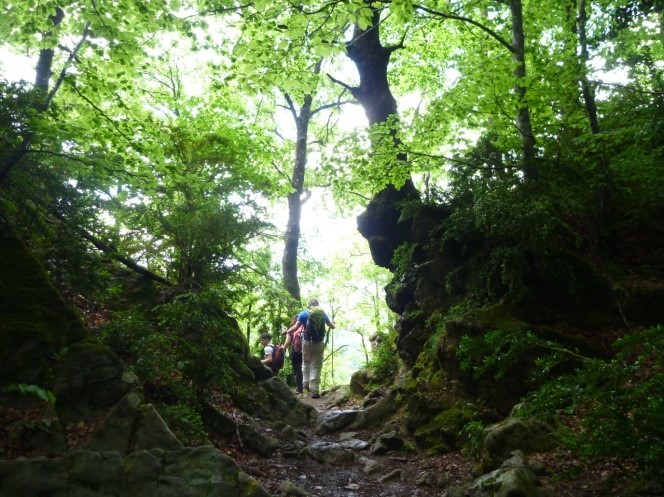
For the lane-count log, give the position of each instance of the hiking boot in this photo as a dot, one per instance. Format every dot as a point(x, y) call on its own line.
point(315, 395)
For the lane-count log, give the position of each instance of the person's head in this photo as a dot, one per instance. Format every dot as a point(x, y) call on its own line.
point(265, 338)
point(294, 320)
point(312, 303)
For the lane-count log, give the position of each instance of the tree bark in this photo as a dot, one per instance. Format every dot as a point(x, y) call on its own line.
point(293, 228)
point(371, 59)
point(381, 223)
point(523, 121)
point(45, 62)
point(586, 89)
point(20, 152)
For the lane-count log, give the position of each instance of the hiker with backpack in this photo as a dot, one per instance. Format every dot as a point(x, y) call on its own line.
point(314, 320)
point(273, 355)
point(294, 341)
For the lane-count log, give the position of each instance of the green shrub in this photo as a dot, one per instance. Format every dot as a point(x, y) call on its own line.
point(182, 348)
point(618, 403)
point(385, 359)
point(207, 343)
point(473, 431)
point(186, 424)
point(605, 407)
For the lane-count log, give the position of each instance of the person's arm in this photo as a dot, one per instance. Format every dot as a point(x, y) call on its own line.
point(268, 356)
point(329, 322)
point(289, 340)
point(300, 321)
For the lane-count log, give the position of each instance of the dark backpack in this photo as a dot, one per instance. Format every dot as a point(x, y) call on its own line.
point(278, 354)
point(296, 345)
point(314, 331)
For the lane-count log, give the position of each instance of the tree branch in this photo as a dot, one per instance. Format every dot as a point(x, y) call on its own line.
point(104, 115)
point(354, 90)
point(24, 147)
point(487, 30)
point(113, 253)
point(281, 172)
point(291, 106)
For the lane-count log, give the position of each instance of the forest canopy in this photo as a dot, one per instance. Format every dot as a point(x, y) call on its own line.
point(151, 150)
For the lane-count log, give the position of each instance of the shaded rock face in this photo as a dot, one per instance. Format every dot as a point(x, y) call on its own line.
point(45, 343)
point(130, 426)
point(37, 325)
point(132, 453)
point(283, 405)
point(194, 472)
point(382, 225)
point(561, 287)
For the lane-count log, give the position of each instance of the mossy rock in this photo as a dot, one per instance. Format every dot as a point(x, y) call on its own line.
point(443, 432)
point(529, 435)
point(45, 342)
point(88, 378)
point(37, 324)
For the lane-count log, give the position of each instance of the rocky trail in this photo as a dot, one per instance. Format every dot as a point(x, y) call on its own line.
point(327, 447)
point(351, 463)
point(319, 460)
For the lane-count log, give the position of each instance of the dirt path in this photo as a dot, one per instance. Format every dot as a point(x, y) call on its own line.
point(398, 473)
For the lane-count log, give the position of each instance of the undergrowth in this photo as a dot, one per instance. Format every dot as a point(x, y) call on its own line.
point(603, 408)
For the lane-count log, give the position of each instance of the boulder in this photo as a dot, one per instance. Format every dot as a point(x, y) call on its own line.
point(335, 453)
point(376, 413)
point(528, 435)
point(386, 442)
point(132, 425)
point(285, 406)
point(333, 421)
point(192, 472)
point(361, 380)
point(338, 396)
point(508, 482)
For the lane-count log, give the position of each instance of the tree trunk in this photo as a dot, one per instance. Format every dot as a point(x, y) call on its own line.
point(293, 228)
point(20, 152)
point(380, 223)
point(523, 122)
point(587, 91)
point(371, 59)
point(590, 106)
point(45, 62)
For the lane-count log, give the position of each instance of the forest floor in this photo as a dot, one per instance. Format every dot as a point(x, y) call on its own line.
point(404, 473)
point(411, 473)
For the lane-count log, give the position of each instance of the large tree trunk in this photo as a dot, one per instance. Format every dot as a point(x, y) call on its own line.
point(523, 122)
point(380, 223)
point(293, 228)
